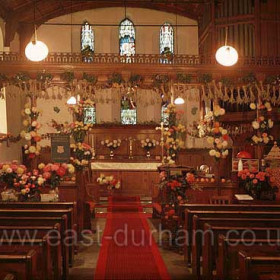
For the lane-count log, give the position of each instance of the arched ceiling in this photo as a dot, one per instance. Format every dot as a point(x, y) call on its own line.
point(19, 14)
point(23, 10)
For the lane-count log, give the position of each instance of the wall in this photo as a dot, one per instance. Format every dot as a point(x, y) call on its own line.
point(14, 125)
point(67, 38)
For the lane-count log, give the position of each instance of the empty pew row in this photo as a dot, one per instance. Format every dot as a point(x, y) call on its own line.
point(45, 223)
point(221, 220)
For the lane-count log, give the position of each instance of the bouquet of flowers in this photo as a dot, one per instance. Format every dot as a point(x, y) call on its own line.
point(53, 173)
point(256, 182)
point(10, 173)
point(262, 125)
point(79, 130)
point(173, 134)
point(148, 144)
point(30, 133)
point(111, 144)
point(82, 154)
point(111, 182)
point(216, 134)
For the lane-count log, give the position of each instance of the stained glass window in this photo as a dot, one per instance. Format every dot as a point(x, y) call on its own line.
point(87, 41)
point(127, 38)
point(128, 111)
point(164, 115)
point(166, 38)
point(90, 115)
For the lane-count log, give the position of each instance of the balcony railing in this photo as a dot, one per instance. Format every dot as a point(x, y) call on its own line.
point(152, 59)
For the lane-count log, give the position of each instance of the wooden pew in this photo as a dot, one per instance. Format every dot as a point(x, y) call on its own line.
point(21, 264)
point(19, 235)
point(43, 254)
point(198, 227)
point(228, 248)
point(211, 234)
point(217, 214)
point(257, 265)
point(227, 207)
point(8, 276)
point(44, 221)
point(69, 232)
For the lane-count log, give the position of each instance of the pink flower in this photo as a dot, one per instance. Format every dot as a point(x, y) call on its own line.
point(35, 172)
point(47, 175)
point(255, 181)
point(55, 167)
point(47, 168)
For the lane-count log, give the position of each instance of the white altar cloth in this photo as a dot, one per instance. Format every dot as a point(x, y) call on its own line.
point(151, 166)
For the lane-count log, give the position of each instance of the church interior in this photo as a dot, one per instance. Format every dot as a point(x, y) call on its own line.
point(139, 139)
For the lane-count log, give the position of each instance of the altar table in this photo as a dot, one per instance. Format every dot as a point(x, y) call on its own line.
point(137, 178)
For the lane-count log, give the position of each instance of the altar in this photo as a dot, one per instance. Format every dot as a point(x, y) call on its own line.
point(136, 178)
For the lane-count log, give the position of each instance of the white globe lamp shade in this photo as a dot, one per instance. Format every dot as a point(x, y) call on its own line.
point(36, 51)
point(227, 56)
point(179, 101)
point(72, 100)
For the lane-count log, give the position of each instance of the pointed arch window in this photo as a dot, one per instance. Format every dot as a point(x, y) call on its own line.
point(90, 115)
point(87, 41)
point(166, 38)
point(164, 115)
point(128, 111)
point(127, 37)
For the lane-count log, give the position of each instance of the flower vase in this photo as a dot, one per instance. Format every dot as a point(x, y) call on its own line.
point(148, 155)
point(111, 154)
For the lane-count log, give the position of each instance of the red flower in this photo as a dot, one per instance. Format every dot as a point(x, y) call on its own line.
point(61, 171)
point(225, 137)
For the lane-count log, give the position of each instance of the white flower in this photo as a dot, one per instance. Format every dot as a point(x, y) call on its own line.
point(270, 123)
point(27, 111)
point(102, 143)
point(217, 154)
point(34, 123)
point(147, 140)
point(212, 153)
point(210, 140)
point(255, 125)
point(253, 106)
point(32, 149)
point(27, 136)
point(224, 132)
point(268, 106)
point(107, 141)
point(222, 111)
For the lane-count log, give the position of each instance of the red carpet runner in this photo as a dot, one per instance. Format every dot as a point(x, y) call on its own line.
point(128, 251)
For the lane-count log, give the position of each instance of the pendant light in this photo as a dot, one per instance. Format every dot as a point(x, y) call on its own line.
point(226, 55)
point(179, 101)
point(36, 50)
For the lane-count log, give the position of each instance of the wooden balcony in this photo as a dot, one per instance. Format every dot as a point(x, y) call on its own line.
point(145, 64)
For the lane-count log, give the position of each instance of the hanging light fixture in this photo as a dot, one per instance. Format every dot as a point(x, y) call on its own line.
point(36, 50)
point(226, 55)
point(179, 101)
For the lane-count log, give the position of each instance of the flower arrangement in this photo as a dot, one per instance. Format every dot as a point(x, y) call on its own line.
point(261, 124)
point(173, 134)
point(149, 144)
point(111, 182)
point(216, 135)
point(26, 185)
point(79, 130)
point(30, 133)
point(111, 144)
point(256, 182)
point(82, 153)
point(53, 173)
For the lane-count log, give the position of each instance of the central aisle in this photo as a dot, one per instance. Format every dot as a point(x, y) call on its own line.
point(128, 249)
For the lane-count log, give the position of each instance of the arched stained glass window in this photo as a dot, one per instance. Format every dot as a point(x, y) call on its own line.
point(166, 38)
point(128, 111)
point(127, 38)
point(90, 115)
point(164, 115)
point(87, 41)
